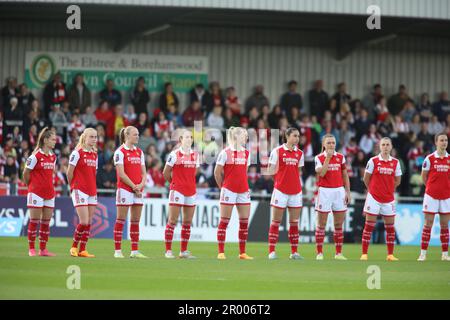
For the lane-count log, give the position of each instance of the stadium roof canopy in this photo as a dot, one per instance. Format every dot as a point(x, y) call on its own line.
point(265, 22)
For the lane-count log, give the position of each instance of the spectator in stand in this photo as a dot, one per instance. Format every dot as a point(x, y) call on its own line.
point(59, 121)
point(88, 118)
point(13, 115)
point(54, 93)
point(372, 100)
point(434, 126)
point(106, 177)
point(345, 133)
point(101, 135)
point(253, 116)
point(111, 95)
point(441, 108)
point(340, 97)
point(145, 139)
point(291, 99)
point(9, 91)
point(65, 108)
point(174, 116)
point(397, 101)
point(76, 124)
point(345, 114)
point(275, 116)
point(265, 112)
point(414, 126)
point(200, 95)
point(328, 128)
point(163, 125)
point(79, 95)
point(230, 120)
point(168, 97)
point(192, 113)
point(400, 126)
point(33, 134)
point(264, 184)
point(10, 170)
point(156, 174)
point(139, 97)
point(257, 99)
point(425, 136)
point(381, 110)
point(318, 100)
point(25, 98)
point(253, 176)
point(119, 121)
point(232, 102)
point(369, 140)
point(130, 114)
point(215, 119)
point(409, 110)
point(415, 154)
point(16, 136)
point(386, 128)
point(104, 115)
point(358, 167)
point(362, 124)
point(215, 98)
point(142, 123)
point(424, 108)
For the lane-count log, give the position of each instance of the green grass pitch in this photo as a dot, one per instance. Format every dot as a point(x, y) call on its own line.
point(23, 277)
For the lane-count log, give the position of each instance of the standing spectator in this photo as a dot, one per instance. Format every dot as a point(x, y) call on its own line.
point(139, 96)
point(192, 113)
point(318, 100)
point(441, 108)
point(13, 112)
point(54, 93)
point(232, 101)
point(215, 97)
point(257, 99)
point(275, 116)
point(291, 99)
point(89, 119)
point(397, 101)
point(111, 95)
point(104, 115)
point(424, 108)
point(372, 100)
point(79, 94)
point(340, 97)
point(119, 121)
point(168, 97)
point(200, 95)
point(215, 119)
point(8, 91)
point(25, 98)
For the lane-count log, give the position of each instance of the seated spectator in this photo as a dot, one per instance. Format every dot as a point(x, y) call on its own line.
point(105, 116)
point(79, 95)
point(381, 110)
point(88, 118)
point(215, 97)
point(232, 102)
point(192, 113)
point(106, 177)
point(275, 116)
point(142, 123)
point(372, 100)
point(264, 184)
point(425, 136)
point(101, 139)
point(200, 95)
point(294, 117)
point(168, 97)
point(215, 119)
point(397, 101)
point(25, 98)
point(16, 136)
point(409, 110)
point(145, 139)
point(230, 120)
point(253, 176)
point(345, 114)
point(434, 126)
point(174, 116)
point(345, 134)
point(130, 114)
point(257, 99)
point(424, 108)
point(291, 99)
point(110, 95)
point(369, 140)
point(253, 116)
point(10, 172)
point(329, 129)
point(119, 121)
point(362, 123)
point(441, 108)
point(340, 97)
point(13, 115)
point(65, 108)
point(59, 120)
point(386, 128)
point(76, 124)
point(55, 92)
point(163, 125)
point(139, 97)
point(9, 91)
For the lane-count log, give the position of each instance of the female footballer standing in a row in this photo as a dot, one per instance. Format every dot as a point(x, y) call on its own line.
point(231, 177)
point(382, 176)
point(333, 195)
point(81, 174)
point(436, 176)
point(131, 175)
point(38, 174)
point(180, 170)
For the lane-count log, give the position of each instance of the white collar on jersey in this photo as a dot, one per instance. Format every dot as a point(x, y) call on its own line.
point(50, 153)
point(325, 153)
point(233, 149)
point(182, 152)
point(381, 158)
point(126, 148)
point(286, 148)
point(436, 155)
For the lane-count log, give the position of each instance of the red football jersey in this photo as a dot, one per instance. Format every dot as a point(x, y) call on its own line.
point(287, 178)
point(235, 164)
point(132, 161)
point(438, 182)
point(333, 177)
point(382, 182)
point(85, 172)
point(42, 168)
point(184, 167)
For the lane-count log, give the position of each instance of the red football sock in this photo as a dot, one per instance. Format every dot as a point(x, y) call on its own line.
point(185, 236)
point(390, 237)
point(273, 235)
point(168, 235)
point(320, 235)
point(118, 232)
point(77, 235)
point(85, 237)
point(222, 233)
point(243, 234)
point(32, 227)
point(134, 235)
point(44, 233)
point(293, 235)
point(367, 235)
point(444, 239)
point(426, 234)
point(338, 239)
